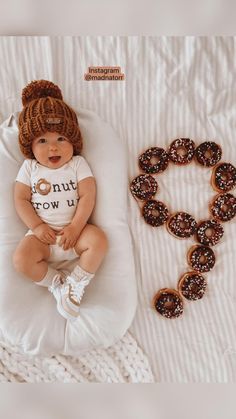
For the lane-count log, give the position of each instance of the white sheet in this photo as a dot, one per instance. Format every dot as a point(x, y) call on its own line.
point(173, 87)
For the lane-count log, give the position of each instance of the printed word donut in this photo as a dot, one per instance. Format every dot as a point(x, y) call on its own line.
point(223, 177)
point(155, 213)
point(43, 187)
point(168, 303)
point(181, 225)
point(208, 153)
point(201, 258)
point(181, 151)
point(209, 232)
point(192, 286)
point(154, 160)
point(223, 207)
point(144, 187)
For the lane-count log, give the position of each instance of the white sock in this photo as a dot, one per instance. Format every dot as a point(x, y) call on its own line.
point(78, 274)
point(47, 280)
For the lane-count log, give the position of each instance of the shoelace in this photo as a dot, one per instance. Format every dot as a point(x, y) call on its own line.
point(55, 283)
point(77, 288)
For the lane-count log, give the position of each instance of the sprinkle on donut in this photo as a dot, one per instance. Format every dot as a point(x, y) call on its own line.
point(154, 160)
point(209, 232)
point(224, 177)
point(155, 213)
point(192, 286)
point(143, 187)
point(181, 225)
point(223, 207)
point(208, 153)
point(201, 258)
point(168, 303)
point(181, 151)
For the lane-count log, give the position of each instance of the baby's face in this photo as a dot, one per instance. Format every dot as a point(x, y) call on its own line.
point(52, 150)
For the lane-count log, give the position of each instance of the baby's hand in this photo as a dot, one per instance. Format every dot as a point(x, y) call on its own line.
point(45, 234)
point(69, 237)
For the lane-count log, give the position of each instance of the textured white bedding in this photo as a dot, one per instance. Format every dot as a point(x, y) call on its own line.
point(174, 87)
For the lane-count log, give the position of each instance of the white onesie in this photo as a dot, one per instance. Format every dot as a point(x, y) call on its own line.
point(54, 193)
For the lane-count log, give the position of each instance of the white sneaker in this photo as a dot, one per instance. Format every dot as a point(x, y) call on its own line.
point(76, 289)
point(65, 306)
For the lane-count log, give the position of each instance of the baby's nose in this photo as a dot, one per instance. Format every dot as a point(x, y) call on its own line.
point(53, 147)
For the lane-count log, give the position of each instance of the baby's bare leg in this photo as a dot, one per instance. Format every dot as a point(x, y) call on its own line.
point(30, 258)
point(91, 246)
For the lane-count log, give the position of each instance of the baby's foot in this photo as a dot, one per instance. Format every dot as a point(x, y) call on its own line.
point(61, 292)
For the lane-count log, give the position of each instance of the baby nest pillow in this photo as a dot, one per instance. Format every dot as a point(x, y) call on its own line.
point(28, 314)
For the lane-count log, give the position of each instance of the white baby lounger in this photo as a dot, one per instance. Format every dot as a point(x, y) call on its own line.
point(28, 315)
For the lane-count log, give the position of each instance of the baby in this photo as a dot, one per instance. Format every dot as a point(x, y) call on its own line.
point(54, 196)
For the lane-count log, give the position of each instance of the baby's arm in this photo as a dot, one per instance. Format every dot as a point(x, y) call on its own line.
point(25, 210)
point(87, 194)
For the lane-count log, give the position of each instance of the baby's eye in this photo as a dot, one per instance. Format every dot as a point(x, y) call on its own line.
point(42, 141)
point(61, 139)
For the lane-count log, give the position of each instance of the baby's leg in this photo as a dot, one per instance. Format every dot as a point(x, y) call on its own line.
point(30, 258)
point(91, 246)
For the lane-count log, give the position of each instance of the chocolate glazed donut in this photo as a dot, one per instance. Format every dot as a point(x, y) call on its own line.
point(209, 232)
point(201, 258)
point(154, 160)
point(208, 153)
point(168, 303)
point(155, 213)
point(181, 151)
point(223, 177)
point(223, 207)
point(143, 187)
point(181, 225)
point(192, 286)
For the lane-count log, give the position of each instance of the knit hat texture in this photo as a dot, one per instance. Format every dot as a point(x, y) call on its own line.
point(44, 110)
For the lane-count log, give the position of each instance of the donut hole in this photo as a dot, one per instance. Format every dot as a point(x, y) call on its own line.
point(181, 151)
point(155, 160)
point(202, 260)
point(208, 154)
point(144, 187)
point(155, 212)
point(183, 225)
point(224, 208)
point(169, 305)
point(225, 176)
point(193, 287)
point(209, 232)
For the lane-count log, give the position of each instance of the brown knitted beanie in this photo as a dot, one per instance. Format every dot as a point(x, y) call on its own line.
point(44, 110)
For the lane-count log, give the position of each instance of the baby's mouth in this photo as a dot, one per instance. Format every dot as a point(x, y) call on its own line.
point(54, 159)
